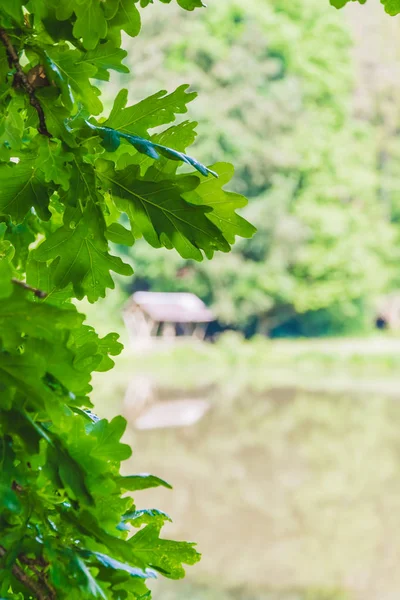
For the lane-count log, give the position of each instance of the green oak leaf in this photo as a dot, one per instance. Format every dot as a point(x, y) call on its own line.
point(108, 346)
point(21, 188)
point(55, 114)
point(126, 18)
point(107, 435)
point(191, 4)
point(159, 211)
point(41, 276)
point(91, 585)
point(111, 563)
point(20, 236)
point(92, 352)
point(224, 204)
point(177, 136)
point(95, 445)
point(392, 7)
point(53, 29)
point(142, 481)
point(64, 363)
point(6, 274)
point(8, 497)
point(133, 587)
point(71, 473)
point(110, 8)
point(7, 254)
point(53, 162)
point(25, 373)
point(76, 73)
point(40, 375)
point(112, 139)
point(32, 318)
point(104, 57)
point(90, 24)
point(13, 10)
point(82, 249)
point(11, 128)
point(4, 66)
point(64, 10)
point(67, 366)
point(158, 109)
point(59, 79)
point(165, 556)
point(118, 547)
point(9, 500)
point(146, 516)
point(7, 251)
point(341, 3)
point(82, 185)
point(118, 234)
point(186, 4)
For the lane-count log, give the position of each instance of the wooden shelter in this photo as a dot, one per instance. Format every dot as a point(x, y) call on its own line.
point(160, 317)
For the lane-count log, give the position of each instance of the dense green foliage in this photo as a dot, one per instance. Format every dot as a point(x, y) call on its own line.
point(392, 7)
point(280, 105)
point(70, 184)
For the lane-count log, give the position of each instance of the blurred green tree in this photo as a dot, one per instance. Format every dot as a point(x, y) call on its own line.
point(280, 105)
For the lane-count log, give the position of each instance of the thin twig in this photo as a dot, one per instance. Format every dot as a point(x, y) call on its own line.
point(33, 564)
point(34, 586)
point(38, 293)
point(21, 77)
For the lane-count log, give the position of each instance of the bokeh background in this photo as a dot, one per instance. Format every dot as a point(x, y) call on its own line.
point(289, 479)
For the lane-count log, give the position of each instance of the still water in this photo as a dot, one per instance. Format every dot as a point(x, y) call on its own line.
point(291, 495)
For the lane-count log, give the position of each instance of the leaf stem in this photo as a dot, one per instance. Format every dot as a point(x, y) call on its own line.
point(37, 293)
point(22, 79)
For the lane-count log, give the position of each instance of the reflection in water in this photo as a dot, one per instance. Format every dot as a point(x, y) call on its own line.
point(145, 411)
point(286, 490)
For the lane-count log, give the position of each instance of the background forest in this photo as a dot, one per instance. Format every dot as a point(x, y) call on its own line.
point(312, 130)
point(290, 482)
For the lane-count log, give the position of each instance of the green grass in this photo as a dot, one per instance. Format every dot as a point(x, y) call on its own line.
point(235, 366)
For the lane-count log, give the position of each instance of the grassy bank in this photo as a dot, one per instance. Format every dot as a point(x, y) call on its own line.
point(234, 365)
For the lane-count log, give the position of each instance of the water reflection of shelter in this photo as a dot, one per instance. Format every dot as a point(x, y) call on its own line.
point(154, 317)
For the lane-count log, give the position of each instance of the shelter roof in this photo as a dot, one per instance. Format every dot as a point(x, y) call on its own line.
point(173, 307)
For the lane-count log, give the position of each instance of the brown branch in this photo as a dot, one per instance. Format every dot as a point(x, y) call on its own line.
point(37, 293)
point(21, 78)
point(33, 564)
point(16, 487)
point(31, 584)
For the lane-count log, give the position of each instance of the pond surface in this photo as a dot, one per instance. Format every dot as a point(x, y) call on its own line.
point(283, 490)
